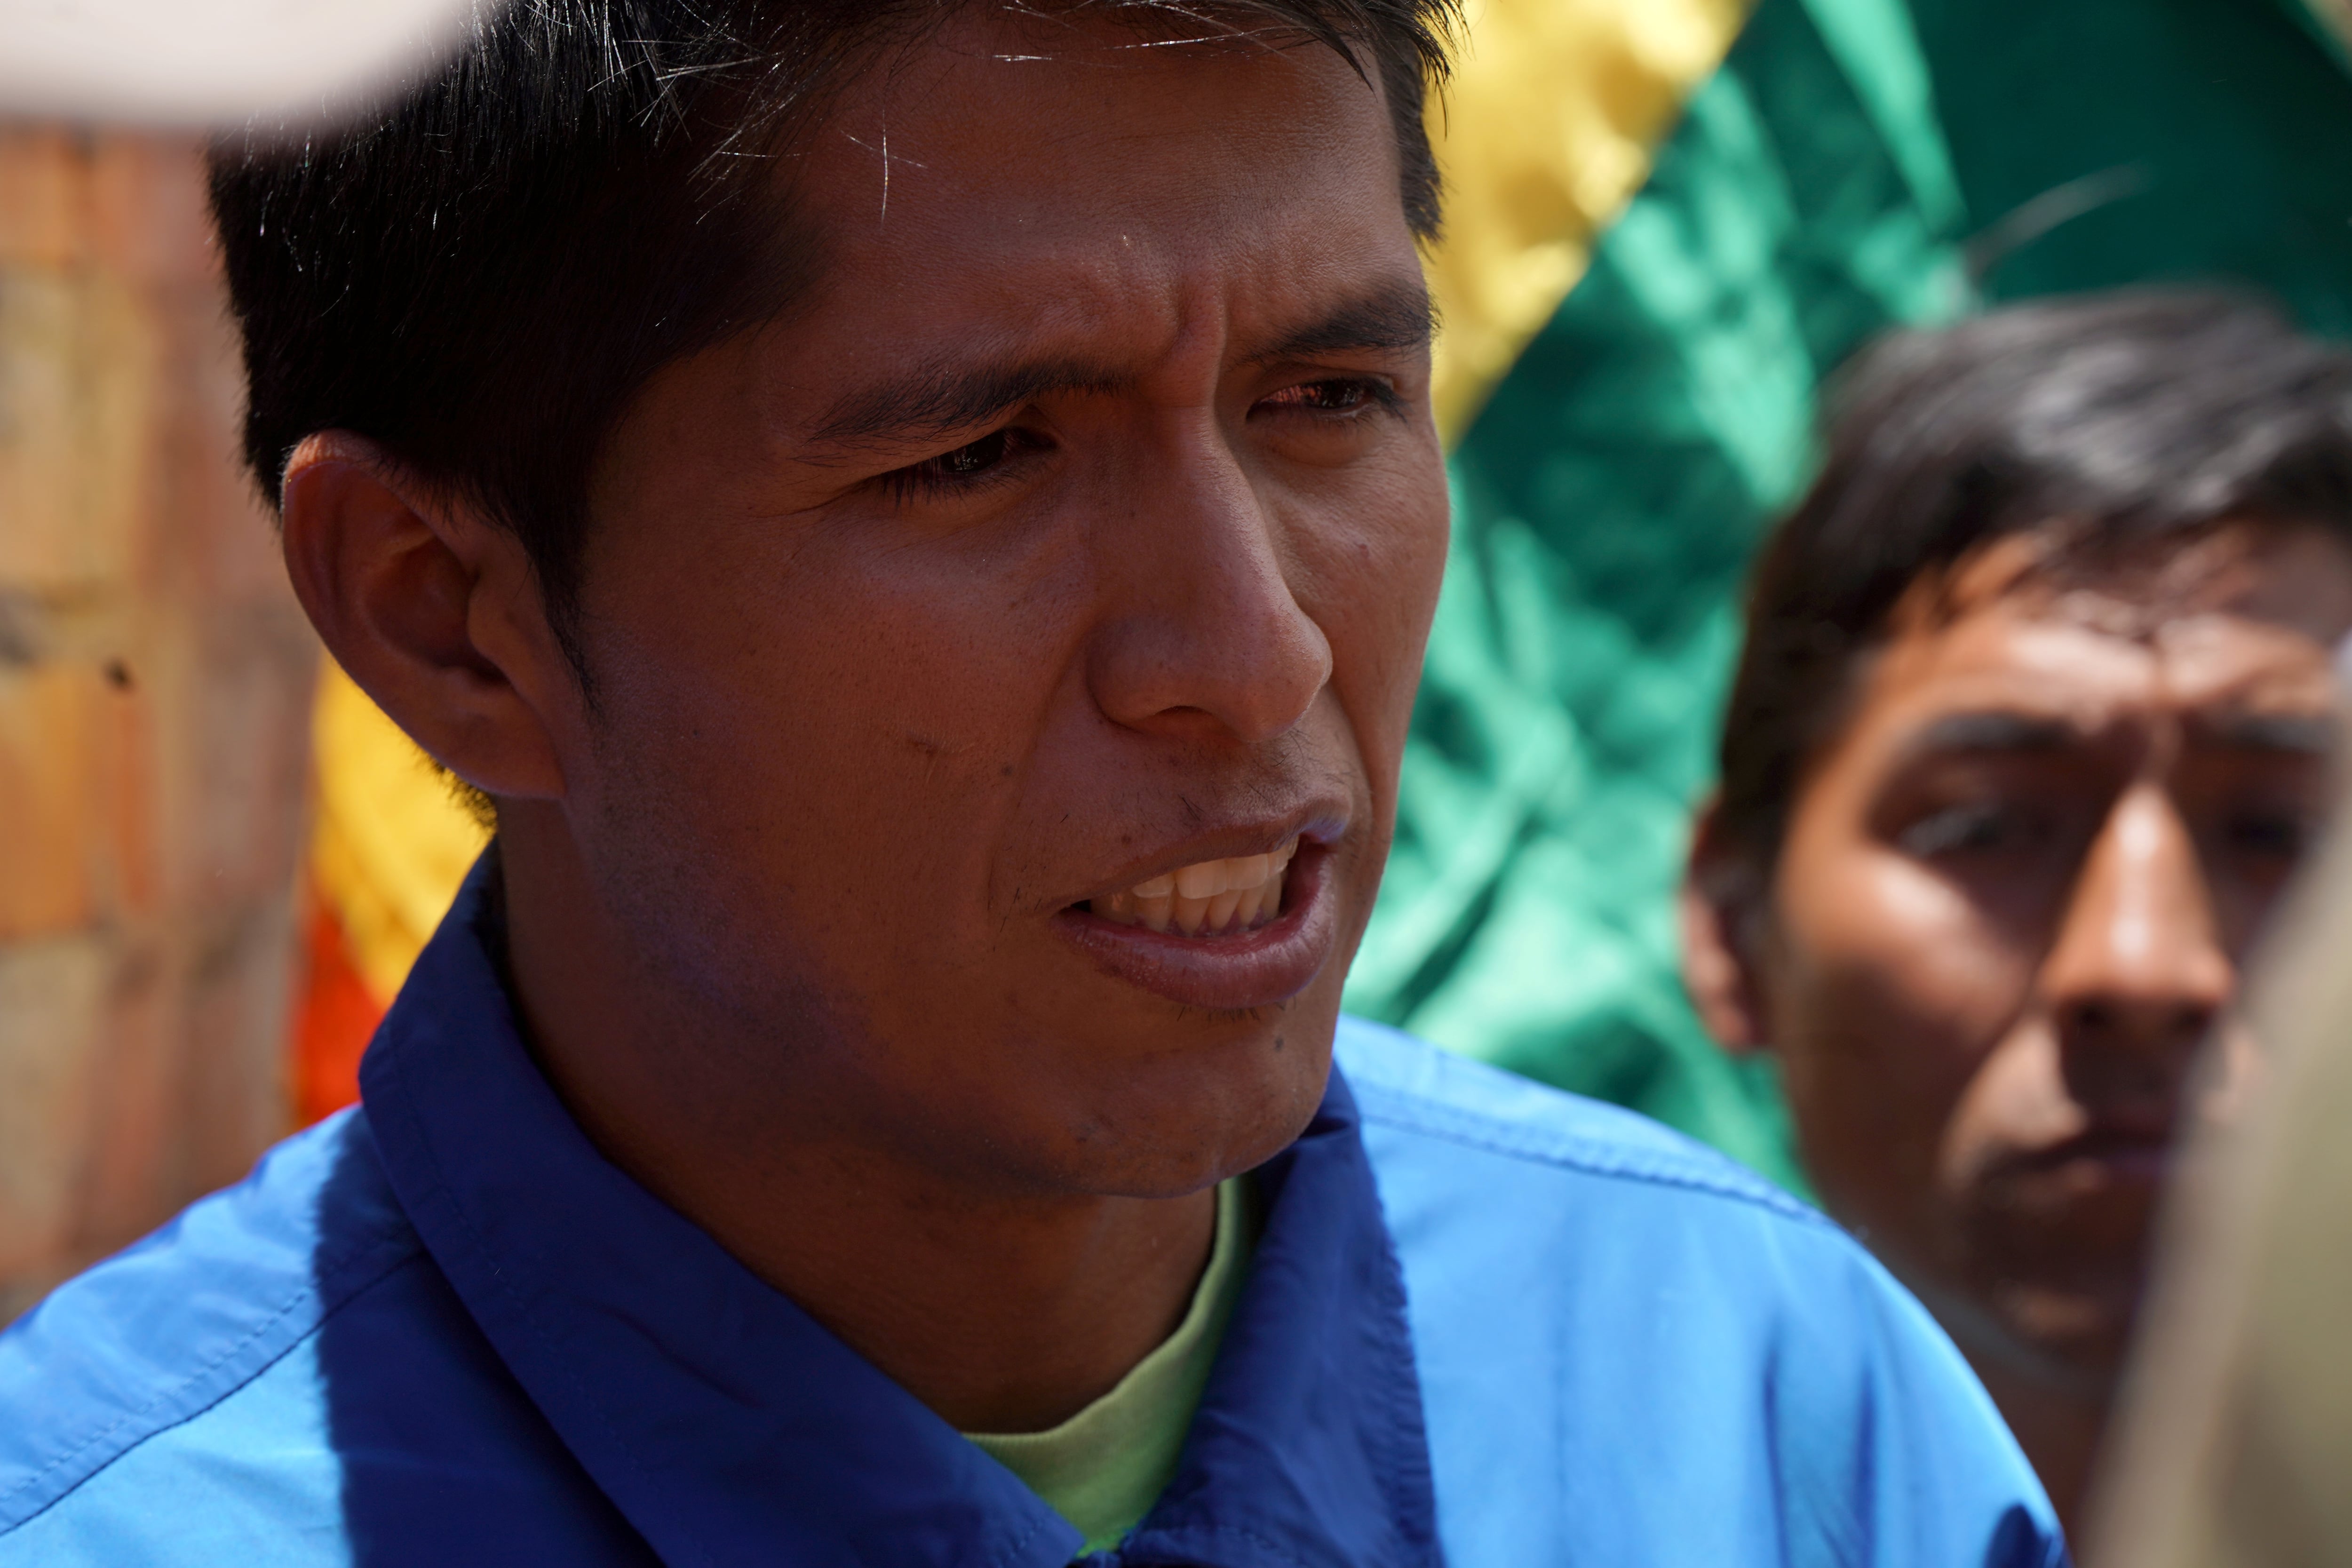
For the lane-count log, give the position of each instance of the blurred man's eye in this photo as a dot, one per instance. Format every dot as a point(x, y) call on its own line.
point(1974, 827)
point(2285, 835)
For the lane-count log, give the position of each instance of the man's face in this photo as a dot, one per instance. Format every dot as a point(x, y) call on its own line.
point(1082, 527)
point(2015, 892)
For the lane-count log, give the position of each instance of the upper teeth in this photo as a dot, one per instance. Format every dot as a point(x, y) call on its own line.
point(1233, 894)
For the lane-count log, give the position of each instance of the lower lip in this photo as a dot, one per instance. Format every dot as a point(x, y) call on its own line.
point(2119, 1162)
point(2135, 1166)
point(1257, 969)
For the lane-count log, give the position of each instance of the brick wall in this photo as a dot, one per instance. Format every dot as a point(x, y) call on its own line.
point(154, 681)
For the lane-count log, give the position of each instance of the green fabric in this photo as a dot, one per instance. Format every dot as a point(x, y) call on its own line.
point(1103, 1467)
point(1823, 185)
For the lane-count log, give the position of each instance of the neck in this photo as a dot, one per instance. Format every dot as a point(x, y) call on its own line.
point(2059, 1427)
point(1003, 1304)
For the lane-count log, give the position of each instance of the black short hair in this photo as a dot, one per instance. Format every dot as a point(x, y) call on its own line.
point(482, 273)
point(2120, 424)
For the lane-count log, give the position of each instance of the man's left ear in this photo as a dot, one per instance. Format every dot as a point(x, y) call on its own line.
point(433, 612)
point(1722, 907)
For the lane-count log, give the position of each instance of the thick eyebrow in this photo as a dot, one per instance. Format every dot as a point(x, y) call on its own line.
point(1396, 318)
point(939, 400)
point(2297, 734)
point(1999, 732)
point(1990, 730)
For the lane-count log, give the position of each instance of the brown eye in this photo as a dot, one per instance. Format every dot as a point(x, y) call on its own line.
point(973, 457)
point(972, 465)
point(1339, 395)
point(1976, 828)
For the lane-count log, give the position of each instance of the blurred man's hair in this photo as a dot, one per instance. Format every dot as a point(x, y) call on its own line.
point(2115, 424)
point(479, 276)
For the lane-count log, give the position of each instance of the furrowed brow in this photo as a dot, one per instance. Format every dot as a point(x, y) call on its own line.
point(942, 400)
point(1398, 318)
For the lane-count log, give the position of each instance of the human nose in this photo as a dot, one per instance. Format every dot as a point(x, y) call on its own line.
point(2138, 973)
point(1205, 634)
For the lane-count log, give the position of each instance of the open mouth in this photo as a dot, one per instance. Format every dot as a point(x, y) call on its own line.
point(1207, 899)
point(1238, 932)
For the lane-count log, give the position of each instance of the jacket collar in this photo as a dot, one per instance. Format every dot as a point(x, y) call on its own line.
point(730, 1428)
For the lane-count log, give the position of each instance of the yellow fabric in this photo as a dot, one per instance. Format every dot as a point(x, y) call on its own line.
point(1546, 132)
point(1103, 1467)
point(389, 843)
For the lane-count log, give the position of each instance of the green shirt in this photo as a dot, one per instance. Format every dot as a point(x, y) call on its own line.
point(1103, 1467)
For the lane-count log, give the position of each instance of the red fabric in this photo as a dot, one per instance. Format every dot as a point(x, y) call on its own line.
point(334, 1016)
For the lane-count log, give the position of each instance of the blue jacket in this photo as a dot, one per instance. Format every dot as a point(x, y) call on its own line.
point(1483, 1324)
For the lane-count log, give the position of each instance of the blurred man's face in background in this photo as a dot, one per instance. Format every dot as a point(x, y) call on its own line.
point(2014, 896)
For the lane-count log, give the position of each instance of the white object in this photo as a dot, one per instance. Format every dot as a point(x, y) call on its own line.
point(199, 62)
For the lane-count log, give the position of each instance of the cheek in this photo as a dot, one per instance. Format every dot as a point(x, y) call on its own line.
point(1369, 563)
point(811, 719)
point(1877, 936)
point(1886, 998)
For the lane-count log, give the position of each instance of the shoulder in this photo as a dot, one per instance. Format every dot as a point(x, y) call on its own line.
point(181, 1371)
point(282, 1377)
point(1572, 1209)
point(1430, 1109)
point(1584, 1209)
point(1597, 1303)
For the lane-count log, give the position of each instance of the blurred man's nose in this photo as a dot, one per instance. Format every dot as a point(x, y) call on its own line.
point(2138, 973)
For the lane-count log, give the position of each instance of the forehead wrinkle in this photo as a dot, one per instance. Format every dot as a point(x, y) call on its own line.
point(997, 366)
point(2223, 669)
